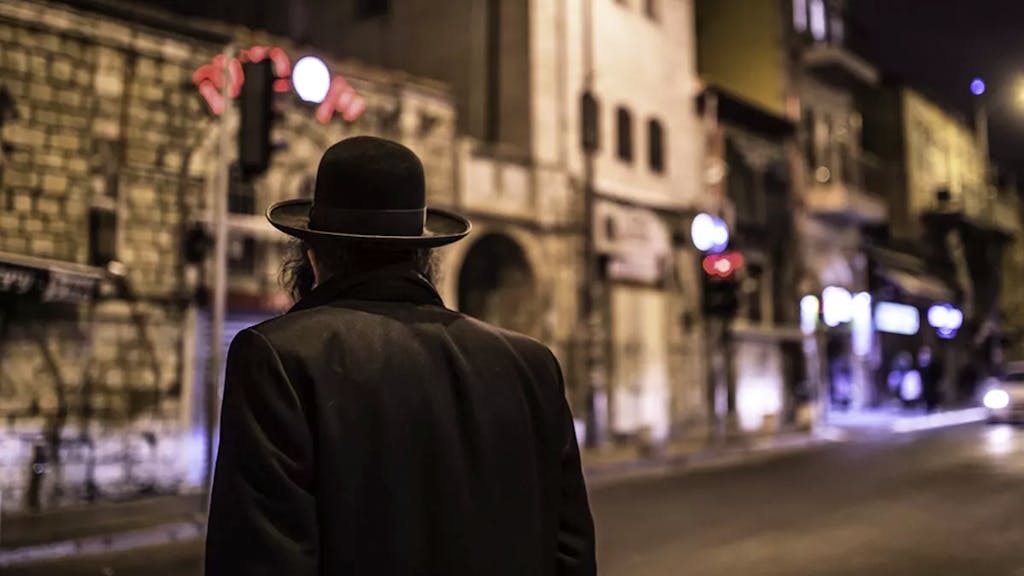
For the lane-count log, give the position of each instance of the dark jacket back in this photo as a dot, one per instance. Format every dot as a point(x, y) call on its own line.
point(372, 431)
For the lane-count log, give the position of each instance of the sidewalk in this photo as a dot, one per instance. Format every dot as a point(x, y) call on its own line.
point(26, 539)
point(99, 528)
point(622, 463)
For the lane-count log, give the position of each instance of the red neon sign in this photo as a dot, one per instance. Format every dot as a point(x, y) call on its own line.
point(210, 81)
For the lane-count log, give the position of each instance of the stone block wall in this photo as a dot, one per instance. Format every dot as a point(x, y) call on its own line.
point(95, 399)
point(101, 115)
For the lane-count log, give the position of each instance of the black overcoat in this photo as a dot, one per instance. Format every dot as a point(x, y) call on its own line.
point(372, 431)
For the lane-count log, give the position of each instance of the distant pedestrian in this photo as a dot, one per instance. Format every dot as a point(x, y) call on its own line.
point(371, 430)
point(931, 378)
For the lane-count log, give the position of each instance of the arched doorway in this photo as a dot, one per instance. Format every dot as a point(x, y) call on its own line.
point(497, 285)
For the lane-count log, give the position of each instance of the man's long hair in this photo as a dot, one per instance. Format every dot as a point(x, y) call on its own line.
point(346, 260)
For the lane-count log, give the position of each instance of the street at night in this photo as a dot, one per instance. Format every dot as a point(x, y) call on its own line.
point(942, 502)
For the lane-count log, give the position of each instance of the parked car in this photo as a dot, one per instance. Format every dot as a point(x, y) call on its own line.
point(1004, 398)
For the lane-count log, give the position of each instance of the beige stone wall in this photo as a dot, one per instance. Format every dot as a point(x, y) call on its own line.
point(104, 115)
point(942, 152)
point(98, 402)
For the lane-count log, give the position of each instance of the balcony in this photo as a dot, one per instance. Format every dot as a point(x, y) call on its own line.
point(848, 194)
point(989, 209)
point(839, 66)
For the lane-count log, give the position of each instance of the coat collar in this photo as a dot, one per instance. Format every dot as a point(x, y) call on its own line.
point(389, 284)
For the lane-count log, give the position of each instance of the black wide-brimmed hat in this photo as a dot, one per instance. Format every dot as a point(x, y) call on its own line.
point(369, 190)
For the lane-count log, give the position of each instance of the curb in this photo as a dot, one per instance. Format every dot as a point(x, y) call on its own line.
point(599, 475)
point(705, 459)
point(148, 537)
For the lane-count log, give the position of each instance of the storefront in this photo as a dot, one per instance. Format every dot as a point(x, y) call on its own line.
point(637, 247)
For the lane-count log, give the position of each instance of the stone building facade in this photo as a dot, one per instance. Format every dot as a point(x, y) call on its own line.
point(108, 159)
point(518, 71)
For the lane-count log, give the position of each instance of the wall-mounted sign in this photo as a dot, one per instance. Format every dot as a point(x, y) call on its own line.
point(637, 242)
point(897, 318)
point(311, 78)
point(44, 285)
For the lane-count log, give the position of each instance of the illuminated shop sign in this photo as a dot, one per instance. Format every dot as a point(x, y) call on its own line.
point(311, 79)
point(897, 318)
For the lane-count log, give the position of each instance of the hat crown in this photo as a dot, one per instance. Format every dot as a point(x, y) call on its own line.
point(369, 173)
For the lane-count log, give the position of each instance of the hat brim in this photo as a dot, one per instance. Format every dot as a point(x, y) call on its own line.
point(441, 227)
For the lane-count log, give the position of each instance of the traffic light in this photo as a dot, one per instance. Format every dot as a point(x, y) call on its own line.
point(257, 115)
point(721, 284)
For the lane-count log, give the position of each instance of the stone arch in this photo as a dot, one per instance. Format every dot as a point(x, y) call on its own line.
point(497, 281)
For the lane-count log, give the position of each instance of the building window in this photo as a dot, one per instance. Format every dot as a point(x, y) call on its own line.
point(102, 235)
point(590, 130)
point(837, 29)
point(818, 22)
point(242, 256)
point(651, 9)
point(655, 146)
point(372, 8)
point(624, 125)
point(810, 140)
point(800, 15)
point(753, 294)
point(241, 194)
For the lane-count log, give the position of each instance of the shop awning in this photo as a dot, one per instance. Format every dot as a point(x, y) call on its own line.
point(918, 285)
point(46, 280)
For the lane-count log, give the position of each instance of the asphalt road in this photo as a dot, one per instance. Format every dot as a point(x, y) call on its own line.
point(941, 503)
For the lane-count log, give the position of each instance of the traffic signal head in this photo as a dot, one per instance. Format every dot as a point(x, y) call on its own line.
point(720, 284)
point(256, 117)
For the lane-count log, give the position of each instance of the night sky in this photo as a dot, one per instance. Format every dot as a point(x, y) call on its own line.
point(940, 45)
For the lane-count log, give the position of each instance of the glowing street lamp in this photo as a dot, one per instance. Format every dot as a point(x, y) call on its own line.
point(312, 79)
point(978, 86)
point(709, 234)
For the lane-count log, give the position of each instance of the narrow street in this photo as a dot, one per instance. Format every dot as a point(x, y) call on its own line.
point(946, 502)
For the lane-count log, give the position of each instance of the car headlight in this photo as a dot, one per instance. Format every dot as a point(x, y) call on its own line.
point(996, 399)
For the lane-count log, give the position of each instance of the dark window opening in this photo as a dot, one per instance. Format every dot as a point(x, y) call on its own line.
point(591, 125)
point(493, 126)
point(624, 125)
point(753, 288)
point(372, 8)
point(241, 194)
point(656, 146)
point(102, 236)
point(242, 256)
point(741, 186)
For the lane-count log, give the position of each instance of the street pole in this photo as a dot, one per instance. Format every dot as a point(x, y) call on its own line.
point(220, 264)
point(591, 325)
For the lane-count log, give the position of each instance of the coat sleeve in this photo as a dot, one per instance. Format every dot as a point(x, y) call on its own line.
point(262, 511)
point(576, 541)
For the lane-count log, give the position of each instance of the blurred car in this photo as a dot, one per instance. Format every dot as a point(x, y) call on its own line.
point(1004, 399)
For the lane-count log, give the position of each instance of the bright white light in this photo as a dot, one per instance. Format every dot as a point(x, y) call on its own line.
point(809, 310)
point(945, 316)
point(702, 231)
point(721, 236)
point(818, 19)
point(312, 79)
point(897, 318)
point(910, 386)
point(800, 15)
point(837, 305)
point(996, 399)
point(862, 327)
